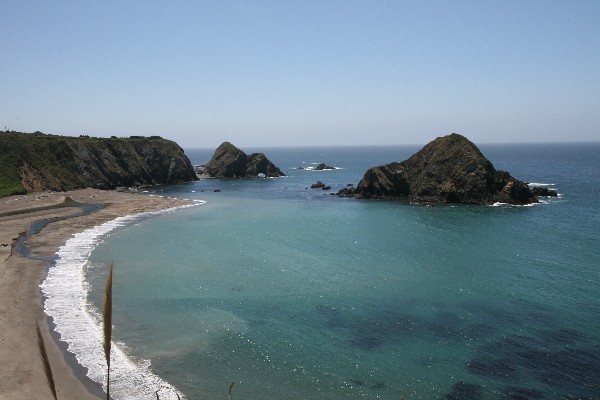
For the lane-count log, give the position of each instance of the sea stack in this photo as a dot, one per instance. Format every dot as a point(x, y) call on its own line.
point(450, 169)
point(230, 162)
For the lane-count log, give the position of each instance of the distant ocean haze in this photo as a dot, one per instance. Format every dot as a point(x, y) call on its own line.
point(293, 293)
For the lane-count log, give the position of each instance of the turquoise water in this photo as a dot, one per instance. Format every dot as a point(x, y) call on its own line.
point(295, 294)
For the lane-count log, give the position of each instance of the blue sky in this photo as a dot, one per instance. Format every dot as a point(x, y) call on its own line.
point(289, 73)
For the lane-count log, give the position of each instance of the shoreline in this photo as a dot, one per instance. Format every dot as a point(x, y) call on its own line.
point(20, 278)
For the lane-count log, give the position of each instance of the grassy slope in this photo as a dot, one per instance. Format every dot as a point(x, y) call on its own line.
point(54, 159)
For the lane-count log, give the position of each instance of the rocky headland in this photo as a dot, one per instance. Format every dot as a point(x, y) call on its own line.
point(450, 169)
point(230, 162)
point(33, 162)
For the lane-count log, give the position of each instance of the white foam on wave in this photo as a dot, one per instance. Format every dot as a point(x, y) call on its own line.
point(541, 184)
point(319, 170)
point(65, 291)
point(538, 184)
point(498, 204)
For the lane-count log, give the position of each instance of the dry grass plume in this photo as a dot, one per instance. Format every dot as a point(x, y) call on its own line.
point(45, 361)
point(107, 316)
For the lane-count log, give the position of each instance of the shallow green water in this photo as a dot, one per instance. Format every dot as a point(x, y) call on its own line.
point(295, 294)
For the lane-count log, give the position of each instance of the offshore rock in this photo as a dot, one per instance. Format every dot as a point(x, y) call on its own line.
point(347, 192)
point(230, 162)
point(540, 191)
point(319, 185)
point(450, 169)
point(34, 162)
point(322, 167)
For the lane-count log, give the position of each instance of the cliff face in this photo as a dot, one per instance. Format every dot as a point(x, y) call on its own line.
point(230, 162)
point(34, 162)
point(450, 169)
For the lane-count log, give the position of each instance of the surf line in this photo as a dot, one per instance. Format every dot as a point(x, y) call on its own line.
point(144, 382)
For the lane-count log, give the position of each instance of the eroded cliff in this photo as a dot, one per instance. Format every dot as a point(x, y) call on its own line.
point(450, 169)
point(35, 162)
point(230, 162)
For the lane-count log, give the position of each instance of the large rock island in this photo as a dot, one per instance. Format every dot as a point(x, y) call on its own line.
point(36, 162)
point(230, 162)
point(450, 169)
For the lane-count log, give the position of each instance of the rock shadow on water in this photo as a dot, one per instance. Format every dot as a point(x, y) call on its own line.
point(333, 316)
point(450, 326)
point(497, 368)
point(509, 314)
point(521, 393)
point(563, 360)
point(366, 343)
point(565, 336)
point(464, 391)
point(357, 383)
point(573, 371)
point(392, 327)
point(510, 345)
point(390, 324)
point(369, 332)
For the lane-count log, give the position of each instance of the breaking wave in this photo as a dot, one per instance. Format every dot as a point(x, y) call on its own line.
point(65, 300)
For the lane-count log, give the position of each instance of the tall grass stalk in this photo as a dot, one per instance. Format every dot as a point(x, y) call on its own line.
point(107, 314)
point(230, 387)
point(158, 397)
point(45, 360)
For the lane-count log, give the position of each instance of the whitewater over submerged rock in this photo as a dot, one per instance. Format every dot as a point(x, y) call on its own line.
point(450, 169)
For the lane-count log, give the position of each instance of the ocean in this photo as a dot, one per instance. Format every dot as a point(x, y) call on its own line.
point(292, 293)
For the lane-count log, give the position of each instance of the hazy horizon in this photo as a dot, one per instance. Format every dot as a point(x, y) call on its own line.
point(279, 74)
point(252, 147)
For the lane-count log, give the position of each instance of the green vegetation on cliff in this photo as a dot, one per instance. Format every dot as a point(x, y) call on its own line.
point(449, 169)
point(34, 161)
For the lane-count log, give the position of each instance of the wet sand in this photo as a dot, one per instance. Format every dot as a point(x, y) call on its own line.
point(21, 369)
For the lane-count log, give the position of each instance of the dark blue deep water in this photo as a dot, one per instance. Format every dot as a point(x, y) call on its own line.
point(292, 293)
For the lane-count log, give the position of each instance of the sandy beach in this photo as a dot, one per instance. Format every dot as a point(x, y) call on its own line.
point(21, 369)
